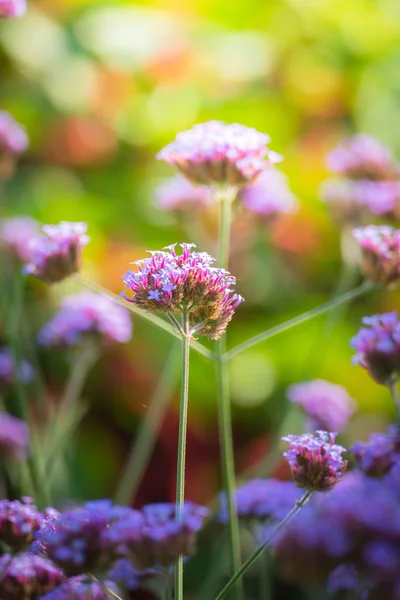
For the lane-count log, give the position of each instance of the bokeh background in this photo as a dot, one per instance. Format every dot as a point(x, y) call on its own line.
point(101, 87)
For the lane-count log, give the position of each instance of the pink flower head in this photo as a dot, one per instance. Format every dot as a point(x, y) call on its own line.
point(363, 157)
point(57, 254)
point(187, 282)
point(327, 405)
point(12, 8)
point(18, 523)
point(16, 235)
point(27, 576)
point(216, 153)
point(14, 437)
point(315, 460)
point(87, 314)
point(378, 347)
point(178, 194)
point(269, 194)
point(13, 141)
point(381, 252)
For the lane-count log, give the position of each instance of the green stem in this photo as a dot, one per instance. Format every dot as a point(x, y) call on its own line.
point(180, 470)
point(265, 577)
point(147, 316)
point(306, 316)
point(396, 399)
point(239, 574)
point(143, 445)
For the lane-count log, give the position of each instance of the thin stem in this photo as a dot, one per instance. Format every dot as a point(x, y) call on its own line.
point(265, 577)
point(147, 316)
point(226, 197)
point(112, 594)
point(239, 574)
point(396, 399)
point(84, 362)
point(306, 316)
point(143, 445)
point(180, 470)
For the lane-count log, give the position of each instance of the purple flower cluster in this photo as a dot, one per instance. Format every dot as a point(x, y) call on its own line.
point(12, 8)
point(179, 194)
point(315, 460)
point(81, 588)
point(87, 314)
point(378, 347)
point(9, 374)
point(27, 576)
point(14, 437)
point(380, 454)
point(362, 157)
point(182, 283)
point(269, 195)
point(327, 406)
point(216, 153)
point(381, 253)
point(19, 521)
point(16, 235)
point(126, 576)
point(13, 139)
point(57, 254)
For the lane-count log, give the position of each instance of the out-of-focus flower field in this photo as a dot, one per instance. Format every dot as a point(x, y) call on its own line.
point(101, 87)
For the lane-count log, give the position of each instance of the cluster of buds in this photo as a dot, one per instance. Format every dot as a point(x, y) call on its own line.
point(57, 254)
point(19, 521)
point(13, 139)
point(380, 247)
point(218, 154)
point(380, 454)
point(315, 460)
point(12, 8)
point(188, 284)
point(27, 576)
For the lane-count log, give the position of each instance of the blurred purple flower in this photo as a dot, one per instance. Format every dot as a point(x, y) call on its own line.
point(381, 252)
point(16, 234)
point(178, 194)
point(27, 576)
point(126, 576)
point(327, 405)
point(175, 283)
point(13, 139)
point(269, 194)
point(378, 347)
point(57, 254)
point(81, 588)
point(9, 374)
point(12, 8)
point(216, 153)
point(87, 314)
point(380, 454)
point(362, 157)
point(315, 460)
point(344, 578)
point(14, 437)
point(19, 521)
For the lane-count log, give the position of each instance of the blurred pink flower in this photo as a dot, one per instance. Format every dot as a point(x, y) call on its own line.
point(16, 234)
point(363, 157)
point(269, 194)
point(178, 193)
point(14, 437)
point(12, 8)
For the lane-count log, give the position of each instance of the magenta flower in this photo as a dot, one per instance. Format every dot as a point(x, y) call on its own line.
point(19, 521)
point(82, 588)
point(381, 252)
point(87, 315)
point(13, 141)
point(269, 194)
point(315, 460)
point(185, 283)
point(328, 406)
point(363, 157)
point(378, 347)
point(216, 153)
point(57, 254)
point(179, 194)
point(14, 437)
point(12, 8)
point(27, 576)
point(16, 234)
point(9, 374)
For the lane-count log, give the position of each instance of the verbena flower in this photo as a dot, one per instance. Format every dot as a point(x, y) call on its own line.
point(328, 406)
point(87, 314)
point(12, 8)
point(377, 347)
point(19, 521)
point(81, 588)
point(57, 254)
point(27, 576)
point(13, 139)
point(364, 157)
point(186, 282)
point(14, 437)
point(216, 153)
point(126, 575)
point(380, 454)
point(315, 460)
point(269, 194)
point(16, 234)
point(9, 375)
point(381, 252)
point(179, 194)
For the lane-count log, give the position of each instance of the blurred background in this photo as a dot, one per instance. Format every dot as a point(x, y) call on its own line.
point(101, 87)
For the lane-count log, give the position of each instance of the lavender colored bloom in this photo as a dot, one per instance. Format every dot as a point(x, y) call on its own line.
point(380, 454)
point(19, 521)
point(175, 283)
point(315, 460)
point(216, 153)
point(363, 157)
point(327, 405)
point(57, 254)
point(81, 588)
point(87, 314)
point(13, 139)
point(16, 235)
point(178, 194)
point(14, 437)
point(344, 578)
point(126, 576)
point(12, 8)
point(378, 347)
point(9, 374)
point(381, 252)
point(269, 194)
point(27, 576)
